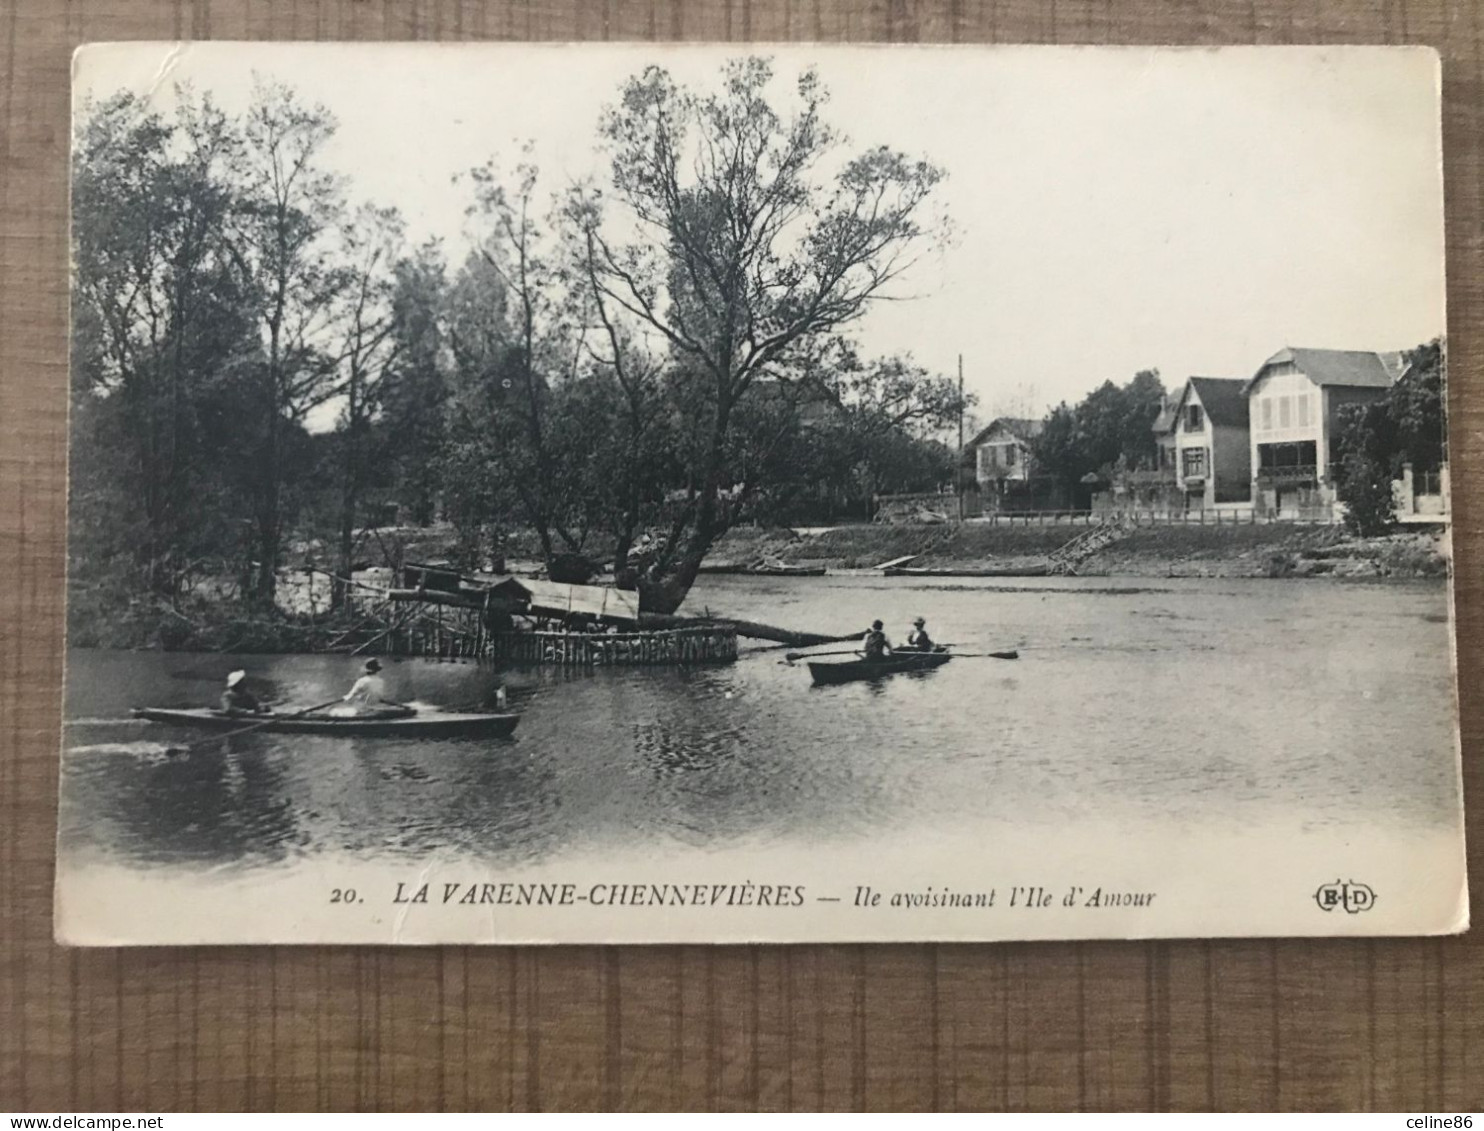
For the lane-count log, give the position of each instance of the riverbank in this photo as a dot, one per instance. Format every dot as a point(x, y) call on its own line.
point(98, 618)
point(1276, 550)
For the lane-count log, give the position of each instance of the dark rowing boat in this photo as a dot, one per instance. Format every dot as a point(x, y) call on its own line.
point(786, 571)
point(845, 671)
point(987, 571)
point(432, 724)
point(766, 569)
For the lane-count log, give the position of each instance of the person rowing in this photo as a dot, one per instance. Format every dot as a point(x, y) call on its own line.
point(918, 639)
point(238, 700)
point(875, 645)
point(367, 695)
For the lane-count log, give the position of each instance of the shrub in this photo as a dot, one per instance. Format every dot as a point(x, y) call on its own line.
point(1365, 488)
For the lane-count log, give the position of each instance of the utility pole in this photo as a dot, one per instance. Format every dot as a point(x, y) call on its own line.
point(958, 467)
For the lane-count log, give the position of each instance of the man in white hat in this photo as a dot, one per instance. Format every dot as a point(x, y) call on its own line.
point(238, 700)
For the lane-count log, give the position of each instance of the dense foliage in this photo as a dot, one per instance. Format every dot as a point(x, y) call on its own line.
point(626, 367)
point(1109, 430)
point(1375, 441)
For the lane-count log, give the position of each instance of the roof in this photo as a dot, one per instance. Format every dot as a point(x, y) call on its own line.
point(556, 599)
point(596, 600)
point(1165, 421)
point(1224, 399)
point(1018, 427)
point(1356, 368)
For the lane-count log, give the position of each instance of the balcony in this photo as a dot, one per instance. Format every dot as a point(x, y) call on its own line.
point(1297, 475)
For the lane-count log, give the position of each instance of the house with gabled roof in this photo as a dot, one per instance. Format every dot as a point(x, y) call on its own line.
point(1212, 449)
point(1294, 401)
point(1002, 450)
point(1005, 472)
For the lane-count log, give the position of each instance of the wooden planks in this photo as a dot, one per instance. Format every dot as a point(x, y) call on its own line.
point(1391, 1024)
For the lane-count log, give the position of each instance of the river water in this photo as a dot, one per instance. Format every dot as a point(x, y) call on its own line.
point(1202, 706)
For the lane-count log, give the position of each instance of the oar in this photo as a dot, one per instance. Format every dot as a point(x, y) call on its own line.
point(1012, 654)
point(792, 656)
point(174, 750)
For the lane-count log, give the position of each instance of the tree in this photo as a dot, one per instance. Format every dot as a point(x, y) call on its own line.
point(1418, 408)
point(1108, 430)
point(518, 342)
point(1144, 397)
point(156, 322)
point(282, 241)
point(890, 408)
point(1374, 441)
point(633, 462)
point(1058, 449)
point(1365, 443)
point(745, 237)
point(414, 389)
point(368, 347)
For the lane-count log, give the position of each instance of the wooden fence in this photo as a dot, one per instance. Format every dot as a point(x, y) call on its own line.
point(712, 644)
point(1318, 515)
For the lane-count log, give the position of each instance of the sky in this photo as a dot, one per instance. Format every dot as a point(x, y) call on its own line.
point(1115, 209)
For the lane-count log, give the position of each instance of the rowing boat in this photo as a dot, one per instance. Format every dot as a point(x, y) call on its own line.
point(844, 671)
point(766, 569)
point(786, 571)
point(988, 571)
point(432, 724)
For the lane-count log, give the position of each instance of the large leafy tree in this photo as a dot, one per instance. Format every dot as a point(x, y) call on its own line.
point(518, 339)
point(367, 346)
point(1108, 430)
point(1418, 408)
point(1373, 441)
point(157, 329)
point(740, 233)
point(284, 242)
point(414, 388)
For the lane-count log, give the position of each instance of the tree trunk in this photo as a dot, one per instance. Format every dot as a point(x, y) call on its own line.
point(340, 590)
point(667, 592)
point(751, 629)
point(266, 583)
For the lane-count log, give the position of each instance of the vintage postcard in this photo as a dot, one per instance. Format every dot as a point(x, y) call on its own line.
point(639, 493)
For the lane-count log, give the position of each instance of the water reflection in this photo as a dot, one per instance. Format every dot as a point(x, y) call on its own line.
point(208, 806)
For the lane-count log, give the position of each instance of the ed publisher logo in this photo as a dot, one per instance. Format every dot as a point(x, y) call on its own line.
point(1353, 897)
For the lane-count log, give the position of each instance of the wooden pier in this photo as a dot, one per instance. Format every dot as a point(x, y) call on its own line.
point(710, 644)
point(472, 622)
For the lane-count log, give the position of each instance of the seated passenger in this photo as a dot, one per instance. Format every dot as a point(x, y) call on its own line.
point(918, 639)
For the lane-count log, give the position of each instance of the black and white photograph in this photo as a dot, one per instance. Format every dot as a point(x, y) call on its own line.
point(731, 493)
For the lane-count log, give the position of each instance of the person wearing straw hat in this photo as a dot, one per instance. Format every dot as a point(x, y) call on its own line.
point(238, 700)
point(918, 639)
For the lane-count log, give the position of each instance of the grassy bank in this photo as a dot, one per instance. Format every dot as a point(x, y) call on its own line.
point(97, 619)
point(1268, 550)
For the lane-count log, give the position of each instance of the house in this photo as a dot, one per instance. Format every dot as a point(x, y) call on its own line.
point(1164, 437)
point(1212, 457)
point(1294, 400)
point(1005, 472)
point(1002, 451)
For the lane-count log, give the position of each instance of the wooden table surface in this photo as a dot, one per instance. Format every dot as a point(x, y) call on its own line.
point(1386, 1024)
